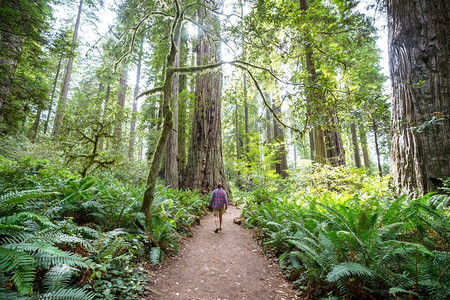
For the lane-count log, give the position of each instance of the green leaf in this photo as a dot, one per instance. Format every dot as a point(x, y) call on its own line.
point(348, 269)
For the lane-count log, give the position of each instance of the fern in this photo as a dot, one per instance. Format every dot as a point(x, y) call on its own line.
point(57, 276)
point(155, 255)
point(348, 269)
point(66, 294)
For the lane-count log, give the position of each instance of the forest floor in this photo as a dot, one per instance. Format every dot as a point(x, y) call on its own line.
point(227, 265)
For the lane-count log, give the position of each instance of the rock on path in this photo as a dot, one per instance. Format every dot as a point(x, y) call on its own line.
point(227, 265)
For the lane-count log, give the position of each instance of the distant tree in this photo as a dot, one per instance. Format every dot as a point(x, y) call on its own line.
point(419, 51)
point(59, 117)
point(24, 27)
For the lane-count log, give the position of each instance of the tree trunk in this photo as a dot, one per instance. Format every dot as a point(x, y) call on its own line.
point(278, 134)
point(355, 143)
point(182, 106)
point(419, 51)
point(364, 148)
point(55, 82)
point(134, 113)
point(316, 136)
point(269, 121)
point(205, 163)
point(171, 165)
point(105, 110)
point(121, 96)
point(59, 117)
point(167, 126)
point(320, 155)
point(36, 125)
point(334, 146)
point(377, 149)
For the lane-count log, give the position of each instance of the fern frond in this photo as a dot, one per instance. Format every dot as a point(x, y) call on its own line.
point(57, 276)
point(67, 294)
point(347, 269)
point(12, 258)
point(23, 278)
point(23, 216)
point(155, 255)
point(11, 199)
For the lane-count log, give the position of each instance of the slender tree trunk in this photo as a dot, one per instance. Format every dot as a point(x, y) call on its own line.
point(134, 113)
point(55, 82)
point(355, 143)
point(334, 144)
point(171, 166)
point(59, 117)
point(105, 110)
point(419, 52)
point(364, 148)
point(205, 164)
point(167, 126)
point(377, 149)
point(37, 120)
point(269, 121)
point(121, 96)
point(278, 134)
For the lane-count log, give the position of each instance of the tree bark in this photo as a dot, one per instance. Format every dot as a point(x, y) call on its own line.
point(55, 82)
point(205, 168)
point(419, 51)
point(316, 135)
point(364, 148)
point(278, 134)
point(355, 143)
point(105, 110)
point(171, 165)
point(167, 126)
point(121, 96)
point(134, 113)
point(377, 149)
point(59, 117)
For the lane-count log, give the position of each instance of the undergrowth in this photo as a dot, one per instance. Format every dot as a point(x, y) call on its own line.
point(365, 245)
point(67, 237)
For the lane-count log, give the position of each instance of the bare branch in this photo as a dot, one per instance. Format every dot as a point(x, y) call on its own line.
point(269, 108)
point(135, 30)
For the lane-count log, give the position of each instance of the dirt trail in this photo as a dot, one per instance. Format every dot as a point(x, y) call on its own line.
point(227, 265)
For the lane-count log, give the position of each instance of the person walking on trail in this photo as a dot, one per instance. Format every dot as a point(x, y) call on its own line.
point(219, 203)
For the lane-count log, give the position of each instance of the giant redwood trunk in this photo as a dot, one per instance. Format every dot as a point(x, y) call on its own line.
point(419, 52)
point(205, 168)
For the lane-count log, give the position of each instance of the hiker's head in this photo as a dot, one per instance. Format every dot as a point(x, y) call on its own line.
point(219, 185)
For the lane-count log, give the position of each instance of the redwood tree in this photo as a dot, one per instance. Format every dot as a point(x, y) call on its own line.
point(419, 52)
point(205, 168)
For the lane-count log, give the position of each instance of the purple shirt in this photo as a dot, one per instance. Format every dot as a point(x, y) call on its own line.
point(219, 199)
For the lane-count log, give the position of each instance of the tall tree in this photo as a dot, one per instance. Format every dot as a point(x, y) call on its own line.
point(121, 97)
point(171, 165)
point(24, 26)
point(59, 117)
point(205, 163)
point(419, 52)
point(134, 112)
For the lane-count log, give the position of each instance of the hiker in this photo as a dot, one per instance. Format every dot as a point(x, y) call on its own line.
point(219, 203)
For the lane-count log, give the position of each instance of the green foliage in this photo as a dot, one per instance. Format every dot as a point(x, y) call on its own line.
point(59, 232)
point(356, 245)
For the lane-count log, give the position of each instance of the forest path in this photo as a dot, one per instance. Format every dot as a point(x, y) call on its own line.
point(227, 265)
